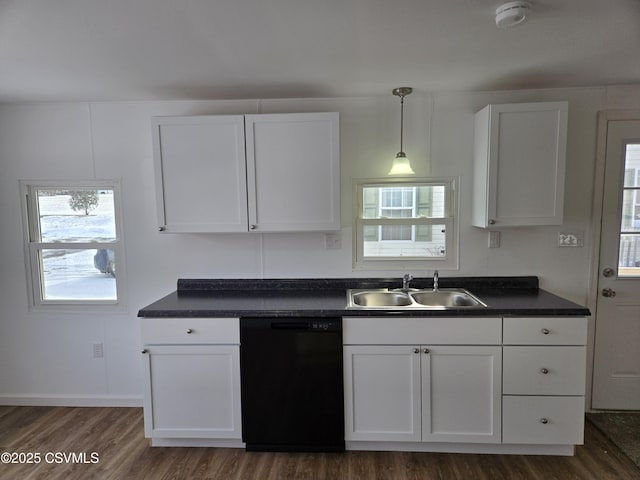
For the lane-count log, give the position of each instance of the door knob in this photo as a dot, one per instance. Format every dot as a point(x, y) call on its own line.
point(607, 292)
point(608, 272)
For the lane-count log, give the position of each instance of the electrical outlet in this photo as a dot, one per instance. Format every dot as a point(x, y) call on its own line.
point(98, 350)
point(571, 239)
point(494, 239)
point(332, 241)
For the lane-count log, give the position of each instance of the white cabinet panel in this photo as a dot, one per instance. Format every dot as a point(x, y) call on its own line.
point(545, 330)
point(293, 171)
point(461, 394)
point(519, 164)
point(543, 420)
point(420, 330)
point(194, 392)
point(544, 370)
point(159, 331)
point(200, 173)
point(382, 393)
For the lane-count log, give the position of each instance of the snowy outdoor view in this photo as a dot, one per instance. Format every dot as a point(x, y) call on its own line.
point(79, 216)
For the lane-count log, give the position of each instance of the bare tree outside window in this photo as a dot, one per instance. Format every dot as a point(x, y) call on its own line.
point(83, 200)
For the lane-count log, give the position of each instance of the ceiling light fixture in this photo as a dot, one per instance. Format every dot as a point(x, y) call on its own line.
point(401, 165)
point(512, 13)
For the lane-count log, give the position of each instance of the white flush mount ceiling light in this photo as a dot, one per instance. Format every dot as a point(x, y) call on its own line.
point(401, 165)
point(512, 13)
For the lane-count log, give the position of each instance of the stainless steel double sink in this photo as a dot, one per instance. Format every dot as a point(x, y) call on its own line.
point(400, 299)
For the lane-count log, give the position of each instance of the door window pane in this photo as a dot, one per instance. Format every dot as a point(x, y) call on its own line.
point(629, 247)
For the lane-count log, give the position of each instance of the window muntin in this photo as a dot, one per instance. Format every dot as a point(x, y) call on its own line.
point(74, 243)
point(406, 221)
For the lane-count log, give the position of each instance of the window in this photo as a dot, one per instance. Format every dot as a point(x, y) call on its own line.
point(629, 248)
point(405, 223)
point(74, 247)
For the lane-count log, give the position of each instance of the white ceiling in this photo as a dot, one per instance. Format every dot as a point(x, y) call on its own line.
point(215, 49)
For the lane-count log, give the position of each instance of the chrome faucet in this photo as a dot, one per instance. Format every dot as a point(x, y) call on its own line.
point(405, 281)
point(436, 277)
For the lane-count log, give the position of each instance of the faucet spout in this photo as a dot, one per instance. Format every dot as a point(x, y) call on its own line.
point(405, 282)
point(436, 278)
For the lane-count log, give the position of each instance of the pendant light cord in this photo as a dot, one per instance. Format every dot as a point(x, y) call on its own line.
point(401, 121)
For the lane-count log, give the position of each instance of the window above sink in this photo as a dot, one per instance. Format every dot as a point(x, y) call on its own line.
point(406, 223)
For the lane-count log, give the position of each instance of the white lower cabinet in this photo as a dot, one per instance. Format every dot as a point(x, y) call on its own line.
point(422, 392)
point(192, 389)
point(474, 385)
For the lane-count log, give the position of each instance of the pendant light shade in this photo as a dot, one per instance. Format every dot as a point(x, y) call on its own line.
point(401, 164)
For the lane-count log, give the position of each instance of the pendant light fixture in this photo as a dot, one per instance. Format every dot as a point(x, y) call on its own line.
point(401, 164)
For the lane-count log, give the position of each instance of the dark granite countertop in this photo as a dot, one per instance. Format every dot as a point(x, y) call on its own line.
point(504, 296)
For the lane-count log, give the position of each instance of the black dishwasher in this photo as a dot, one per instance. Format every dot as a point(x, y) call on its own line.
point(292, 384)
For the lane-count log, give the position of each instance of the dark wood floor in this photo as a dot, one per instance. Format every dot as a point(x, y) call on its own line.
point(116, 436)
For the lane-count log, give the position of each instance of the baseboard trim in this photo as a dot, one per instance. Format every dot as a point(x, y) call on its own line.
point(72, 400)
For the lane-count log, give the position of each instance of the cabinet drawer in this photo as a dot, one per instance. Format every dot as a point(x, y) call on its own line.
point(422, 331)
point(543, 420)
point(158, 331)
point(545, 331)
point(544, 370)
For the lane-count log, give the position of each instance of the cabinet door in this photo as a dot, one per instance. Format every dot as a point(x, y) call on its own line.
point(519, 164)
point(200, 172)
point(382, 393)
point(194, 392)
point(293, 172)
point(461, 394)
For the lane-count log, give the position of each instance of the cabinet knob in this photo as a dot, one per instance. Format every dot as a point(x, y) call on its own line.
point(426, 350)
point(189, 331)
point(492, 221)
point(416, 350)
point(161, 229)
point(144, 352)
point(252, 227)
point(544, 371)
point(544, 421)
point(545, 331)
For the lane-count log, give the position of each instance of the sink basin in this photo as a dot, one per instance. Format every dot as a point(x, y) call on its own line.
point(384, 299)
point(381, 299)
point(447, 298)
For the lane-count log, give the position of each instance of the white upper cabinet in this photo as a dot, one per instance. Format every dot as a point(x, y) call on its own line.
point(200, 173)
point(235, 173)
point(293, 172)
point(519, 164)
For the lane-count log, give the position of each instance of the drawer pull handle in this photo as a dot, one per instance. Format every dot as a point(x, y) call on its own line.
point(416, 350)
point(189, 331)
point(544, 371)
point(545, 331)
point(544, 421)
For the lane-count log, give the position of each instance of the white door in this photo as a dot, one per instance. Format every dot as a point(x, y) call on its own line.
point(616, 376)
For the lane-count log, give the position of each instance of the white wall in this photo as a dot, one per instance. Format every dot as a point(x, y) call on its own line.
point(48, 357)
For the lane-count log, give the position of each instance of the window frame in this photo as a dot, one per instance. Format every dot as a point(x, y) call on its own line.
point(450, 220)
point(34, 247)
